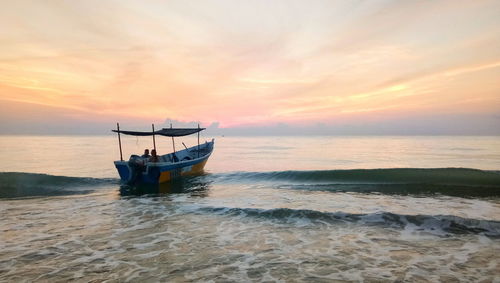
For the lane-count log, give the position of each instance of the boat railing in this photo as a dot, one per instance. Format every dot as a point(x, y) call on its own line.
point(186, 154)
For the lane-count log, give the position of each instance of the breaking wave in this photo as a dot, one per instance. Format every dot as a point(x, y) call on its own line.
point(448, 176)
point(435, 224)
point(462, 182)
point(18, 184)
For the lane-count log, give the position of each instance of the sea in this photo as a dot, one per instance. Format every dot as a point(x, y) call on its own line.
point(266, 209)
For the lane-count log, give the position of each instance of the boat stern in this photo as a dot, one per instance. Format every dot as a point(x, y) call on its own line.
point(123, 170)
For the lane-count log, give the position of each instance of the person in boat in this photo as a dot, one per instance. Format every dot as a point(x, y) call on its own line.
point(146, 154)
point(154, 157)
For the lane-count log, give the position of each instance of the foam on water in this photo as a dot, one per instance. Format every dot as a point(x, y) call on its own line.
point(435, 224)
point(178, 237)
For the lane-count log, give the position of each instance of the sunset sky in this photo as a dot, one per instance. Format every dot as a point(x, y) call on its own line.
point(70, 66)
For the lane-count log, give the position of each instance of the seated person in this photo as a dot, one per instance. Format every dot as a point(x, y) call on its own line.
point(154, 157)
point(146, 154)
point(174, 158)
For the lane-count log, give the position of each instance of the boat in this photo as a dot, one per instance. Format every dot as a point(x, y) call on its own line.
point(189, 161)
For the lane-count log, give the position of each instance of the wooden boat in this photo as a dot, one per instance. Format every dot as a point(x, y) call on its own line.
point(189, 161)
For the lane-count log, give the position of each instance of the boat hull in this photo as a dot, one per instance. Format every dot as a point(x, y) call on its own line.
point(162, 172)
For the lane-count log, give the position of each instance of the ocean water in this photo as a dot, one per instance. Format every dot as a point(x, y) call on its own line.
point(313, 209)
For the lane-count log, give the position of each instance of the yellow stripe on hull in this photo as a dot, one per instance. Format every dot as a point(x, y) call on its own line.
point(197, 168)
point(184, 171)
point(164, 177)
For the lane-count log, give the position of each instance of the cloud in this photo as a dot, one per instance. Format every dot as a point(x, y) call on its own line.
point(250, 63)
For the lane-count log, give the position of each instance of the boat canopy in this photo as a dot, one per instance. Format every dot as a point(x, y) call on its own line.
point(167, 132)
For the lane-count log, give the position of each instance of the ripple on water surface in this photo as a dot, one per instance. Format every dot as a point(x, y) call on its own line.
point(180, 237)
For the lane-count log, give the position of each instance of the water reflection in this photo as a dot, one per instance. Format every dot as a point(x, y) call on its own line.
point(416, 190)
point(193, 185)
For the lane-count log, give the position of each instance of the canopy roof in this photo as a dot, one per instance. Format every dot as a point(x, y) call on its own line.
point(167, 132)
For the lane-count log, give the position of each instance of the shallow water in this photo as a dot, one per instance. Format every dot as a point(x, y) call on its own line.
point(292, 209)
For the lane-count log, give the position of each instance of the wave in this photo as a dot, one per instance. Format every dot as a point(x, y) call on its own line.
point(435, 224)
point(449, 181)
point(449, 176)
point(460, 182)
point(19, 184)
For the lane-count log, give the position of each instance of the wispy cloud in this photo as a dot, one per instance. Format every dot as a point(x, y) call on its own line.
point(251, 62)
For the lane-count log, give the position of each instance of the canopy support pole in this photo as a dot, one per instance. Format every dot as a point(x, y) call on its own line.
point(154, 141)
point(119, 141)
point(173, 142)
point(198, 141)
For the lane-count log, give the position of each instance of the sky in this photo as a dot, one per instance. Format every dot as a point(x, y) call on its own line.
point(260, 67)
